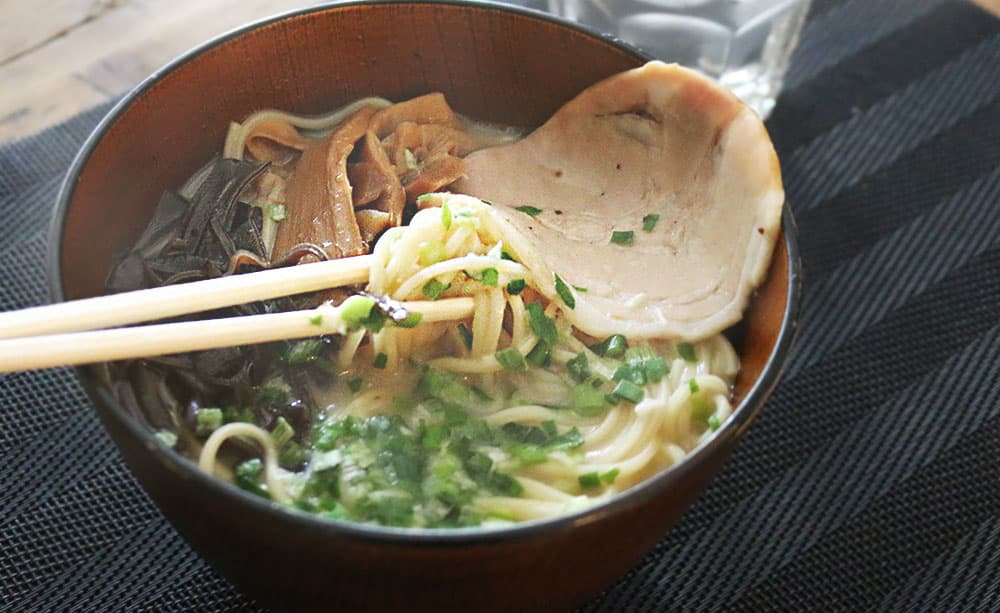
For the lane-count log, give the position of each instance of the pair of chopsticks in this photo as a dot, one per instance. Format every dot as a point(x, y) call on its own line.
point(70, 333)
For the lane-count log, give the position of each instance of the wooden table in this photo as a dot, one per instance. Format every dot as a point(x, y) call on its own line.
point(60, 57)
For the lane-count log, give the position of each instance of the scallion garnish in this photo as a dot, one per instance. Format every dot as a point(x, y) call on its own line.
point(588, 401)
point(480, 395)
point(355, 384)
point(433, 289)
point(445, 216)
point(578, 368)
point(380, 360)
point(612, 347)
point(610, 476)
point(466, 334)
point(540, 355)
point(277, 212)
point(656, 368)
point(206, 421)
point(411, 320)
point(511, 359)
point(530, 210)
point(530, 454)
point(282, 432)
point(515, 286)
point(623, 237)
point(580, 289)
point(356, 309)
point(565, 292)
point(693, 385)
point(166, 437)
point(542, 325)
point(590, 480)
point(713, 423)
point(304, 351)
point(627, 390)
point(686, 351)
point(317, 319)
point(490, 277)
point(649, 222)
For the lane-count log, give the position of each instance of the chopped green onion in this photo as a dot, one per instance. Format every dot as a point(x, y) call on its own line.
point(630, 372)
point(490, 277)
point(444, 386)
point(656, 369)
point(530, 210)
point(274, 393)
point(713, 423)
point(587, 400)
point(578, 368)
point(292, 455)
point(567, 441)
point(530, 454)
point(580, 289)
point(549, 426)
point(277, 212)
point(375, 321)
point(511, 359)
point(430, 252)
point(610, 476)
point(649, 222)
point(565, 293)
point(505, 484)
point(166, 437)
point(515, 287)
point(433, 289)
point(380, 360)
point(231, 415)
point(694, 386)
point(590, 480)
point(411, 320)
point(627, 390)
point(304, 351)
point(424, 197)
point(282, 433)
point(540, 355)
point(248, 477)
point(481, 395)
point(355, 384)
point(317, 319)
point(445, 216)
point(542, 325)
point(206, 421)
point(466, 334)
point(612, 347)
point(433, 437)
point(686, 351)
point(356, 309)
point(623, 237)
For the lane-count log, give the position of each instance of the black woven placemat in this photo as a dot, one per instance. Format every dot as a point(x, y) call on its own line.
point(872, 478)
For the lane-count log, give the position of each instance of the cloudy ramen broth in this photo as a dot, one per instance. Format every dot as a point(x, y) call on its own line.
point(508, 415)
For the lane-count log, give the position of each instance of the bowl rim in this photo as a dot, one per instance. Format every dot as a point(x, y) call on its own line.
point(177, 463)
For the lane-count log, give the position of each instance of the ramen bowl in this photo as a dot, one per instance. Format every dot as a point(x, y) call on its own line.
point(498, 64)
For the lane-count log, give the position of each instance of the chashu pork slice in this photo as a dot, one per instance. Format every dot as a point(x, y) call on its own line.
point(659, 140)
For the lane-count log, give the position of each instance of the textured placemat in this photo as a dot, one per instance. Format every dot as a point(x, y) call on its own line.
point(871, 479)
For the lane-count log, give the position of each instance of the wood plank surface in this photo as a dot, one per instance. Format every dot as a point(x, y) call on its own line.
point(61, 57)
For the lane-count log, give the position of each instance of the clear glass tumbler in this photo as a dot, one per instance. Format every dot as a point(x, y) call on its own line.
point(744, 44)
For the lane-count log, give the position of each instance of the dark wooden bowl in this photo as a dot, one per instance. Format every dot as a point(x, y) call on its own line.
point(499, 64)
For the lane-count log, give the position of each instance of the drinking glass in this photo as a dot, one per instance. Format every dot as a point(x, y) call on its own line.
point(744, 44)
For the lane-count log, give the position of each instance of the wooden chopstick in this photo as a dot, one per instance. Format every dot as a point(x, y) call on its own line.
point(161, 302)
point(162, 339)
